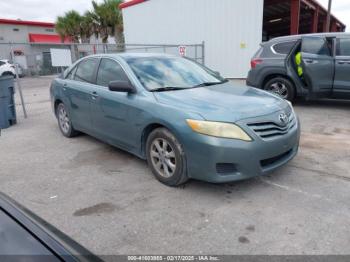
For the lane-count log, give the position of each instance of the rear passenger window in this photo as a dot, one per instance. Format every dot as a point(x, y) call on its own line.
point(316, 46)
point(86, 70)
point(284, 48)
point(343, 47)
point(108, 71)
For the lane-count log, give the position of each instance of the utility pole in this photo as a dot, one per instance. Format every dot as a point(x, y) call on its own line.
point(328, 27)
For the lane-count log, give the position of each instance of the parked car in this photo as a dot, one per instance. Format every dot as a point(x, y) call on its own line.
point(6, 69)
point(325, 63)
point(26, 237)
point(185, 119)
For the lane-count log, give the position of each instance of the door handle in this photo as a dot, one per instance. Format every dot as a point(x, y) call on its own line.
point(94, 95)
point(310, 61)
point(342, 62)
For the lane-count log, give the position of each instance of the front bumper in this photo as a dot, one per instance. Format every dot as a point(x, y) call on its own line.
point(244, 160)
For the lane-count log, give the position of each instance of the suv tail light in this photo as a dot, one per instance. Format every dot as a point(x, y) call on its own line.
point(254, 62)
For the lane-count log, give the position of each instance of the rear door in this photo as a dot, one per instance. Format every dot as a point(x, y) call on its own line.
point(342, 68)
point(318, 65)
point(79, 92)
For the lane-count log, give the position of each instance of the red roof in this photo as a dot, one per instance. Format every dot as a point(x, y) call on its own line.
point(42, 38)
point(131, 3)
point(30, 23)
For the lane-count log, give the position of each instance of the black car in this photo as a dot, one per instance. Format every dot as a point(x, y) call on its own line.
point(26, 237)
point(325, 62)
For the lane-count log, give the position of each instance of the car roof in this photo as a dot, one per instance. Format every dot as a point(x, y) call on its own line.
point(297, 37)
point(128, 55)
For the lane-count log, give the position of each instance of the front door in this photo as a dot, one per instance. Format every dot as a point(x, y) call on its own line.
point(318, 65)
point(112, 112)
point(342, 68)
point(79, 92)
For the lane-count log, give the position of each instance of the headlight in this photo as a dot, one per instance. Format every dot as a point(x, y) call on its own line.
point(218, 129)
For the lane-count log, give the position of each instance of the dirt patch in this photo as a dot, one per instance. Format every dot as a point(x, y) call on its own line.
point(101, 208)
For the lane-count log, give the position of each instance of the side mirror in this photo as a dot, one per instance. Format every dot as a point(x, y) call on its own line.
point(217, 73)
point(121, 86)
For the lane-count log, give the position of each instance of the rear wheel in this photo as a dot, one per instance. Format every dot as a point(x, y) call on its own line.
point(166, 157)
point(64, 122)
point(282, 87)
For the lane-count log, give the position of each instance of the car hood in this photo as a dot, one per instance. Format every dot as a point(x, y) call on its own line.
point(225, 102)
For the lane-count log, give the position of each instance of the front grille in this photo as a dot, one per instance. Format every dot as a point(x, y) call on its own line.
point(272, 160)
point(273, 129)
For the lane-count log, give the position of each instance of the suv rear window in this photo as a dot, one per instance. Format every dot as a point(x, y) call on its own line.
point(283, 48)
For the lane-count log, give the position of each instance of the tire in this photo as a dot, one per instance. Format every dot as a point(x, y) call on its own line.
point(8, 74)
point(64, 122)
point(282, 87)
point(169, 165)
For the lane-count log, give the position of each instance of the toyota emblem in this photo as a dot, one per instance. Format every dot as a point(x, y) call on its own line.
point(283, 118)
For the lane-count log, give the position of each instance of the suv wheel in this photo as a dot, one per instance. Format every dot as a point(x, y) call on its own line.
point(282, 87)
point(166, 157)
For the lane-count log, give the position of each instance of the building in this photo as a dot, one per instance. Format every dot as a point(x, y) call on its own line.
point(27, 40)
point(231, 29)
point(31, 42)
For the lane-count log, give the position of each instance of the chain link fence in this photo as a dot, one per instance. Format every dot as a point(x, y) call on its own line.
point(35, 59)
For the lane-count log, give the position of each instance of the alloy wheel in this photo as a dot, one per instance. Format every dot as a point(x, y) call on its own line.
point(279, 89)
point(63, 119)
point(163, 157)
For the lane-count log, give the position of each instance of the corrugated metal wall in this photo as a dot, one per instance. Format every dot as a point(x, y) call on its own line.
point(231, 29)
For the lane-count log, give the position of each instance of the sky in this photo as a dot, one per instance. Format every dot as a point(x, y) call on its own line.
point(48, 10)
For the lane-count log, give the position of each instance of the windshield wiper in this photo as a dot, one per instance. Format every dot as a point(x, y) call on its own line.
point(210, 83)
point(168, 88)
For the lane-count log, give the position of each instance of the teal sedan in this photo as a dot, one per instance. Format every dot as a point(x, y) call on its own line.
point(183, 118)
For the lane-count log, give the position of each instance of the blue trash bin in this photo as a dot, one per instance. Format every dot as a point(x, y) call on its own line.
point(7, 102)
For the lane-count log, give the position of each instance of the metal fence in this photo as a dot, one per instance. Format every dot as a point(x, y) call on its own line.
point(35, 58)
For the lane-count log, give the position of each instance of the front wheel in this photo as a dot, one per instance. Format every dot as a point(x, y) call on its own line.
point(282, 87)
point(166, 158)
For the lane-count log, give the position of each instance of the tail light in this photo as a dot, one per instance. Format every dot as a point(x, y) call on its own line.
point(254, 62)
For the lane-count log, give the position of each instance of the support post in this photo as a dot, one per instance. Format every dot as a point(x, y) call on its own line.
point(203, 53)
point(334, 26)
point(328, 23)
point(18, 83)
point(314, 25)
point(294, 16)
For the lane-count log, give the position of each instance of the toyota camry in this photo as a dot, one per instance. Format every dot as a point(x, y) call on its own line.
point(186, 120)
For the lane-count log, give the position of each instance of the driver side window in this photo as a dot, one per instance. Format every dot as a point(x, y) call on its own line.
point(108, 71)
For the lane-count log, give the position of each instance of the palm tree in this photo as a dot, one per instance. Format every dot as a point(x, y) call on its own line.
point(88, 27)
point(109, 20)
point(69, 26)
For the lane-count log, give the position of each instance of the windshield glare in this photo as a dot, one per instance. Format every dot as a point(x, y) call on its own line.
point(162, 72)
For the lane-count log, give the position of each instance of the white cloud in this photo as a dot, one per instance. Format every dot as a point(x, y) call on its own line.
point(40, 10)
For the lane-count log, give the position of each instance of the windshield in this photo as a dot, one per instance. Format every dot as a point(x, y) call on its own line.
point(171, 72)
